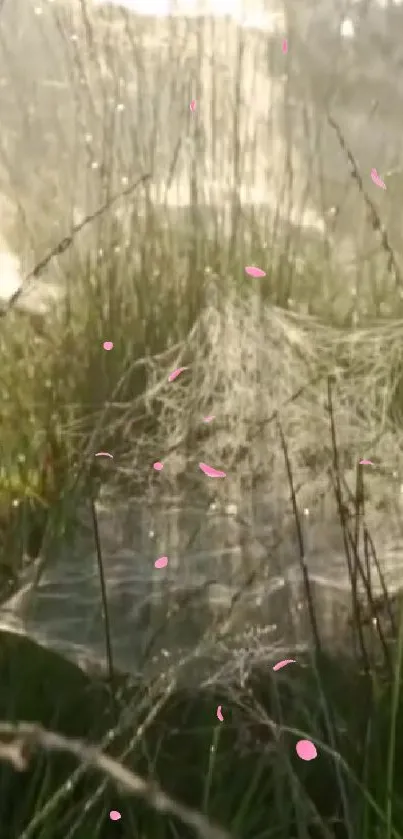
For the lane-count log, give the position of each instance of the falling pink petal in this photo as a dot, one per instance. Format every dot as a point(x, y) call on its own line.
point(174, 375)
point(192, 105)
point(209, 418)
point(114, 815)
point(377, 180)
point(283, 663)
point(107, 345)
point(284, 46)
point(158, 466)
point(306, 750)
point(212, 473)
point(366, 462)
point(104, 454)
point(161, 562)
point(254, 272)
point(219, 714)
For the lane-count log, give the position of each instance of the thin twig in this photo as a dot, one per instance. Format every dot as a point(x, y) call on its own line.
point(61, 794)
point(65, 243)
point(373, 215)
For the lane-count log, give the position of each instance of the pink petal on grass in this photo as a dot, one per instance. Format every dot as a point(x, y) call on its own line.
point(283, 663)
point(158, 466)
point(254, 272)
point(161, 562)
point(175, 373)
point(212, 473)
point(306, 750)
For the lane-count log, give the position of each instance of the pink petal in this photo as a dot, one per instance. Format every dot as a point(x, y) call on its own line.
point(209, 418)
point(306, 750)
point(174, 375)
point(161, 562)
point(377, 179)
point(158, 466)
point(212, 473)
point(283, 663)
point(254, 272)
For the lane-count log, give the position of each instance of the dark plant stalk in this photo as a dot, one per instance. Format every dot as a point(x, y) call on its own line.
point(347, 539)
point(370, 555)
point(330, 723)
point(385, 593)
point(104, 598)
point(307, 585)
point(358, 504)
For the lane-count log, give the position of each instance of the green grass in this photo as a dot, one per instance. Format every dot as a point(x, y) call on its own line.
point(315, 344)
point(242, 774)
